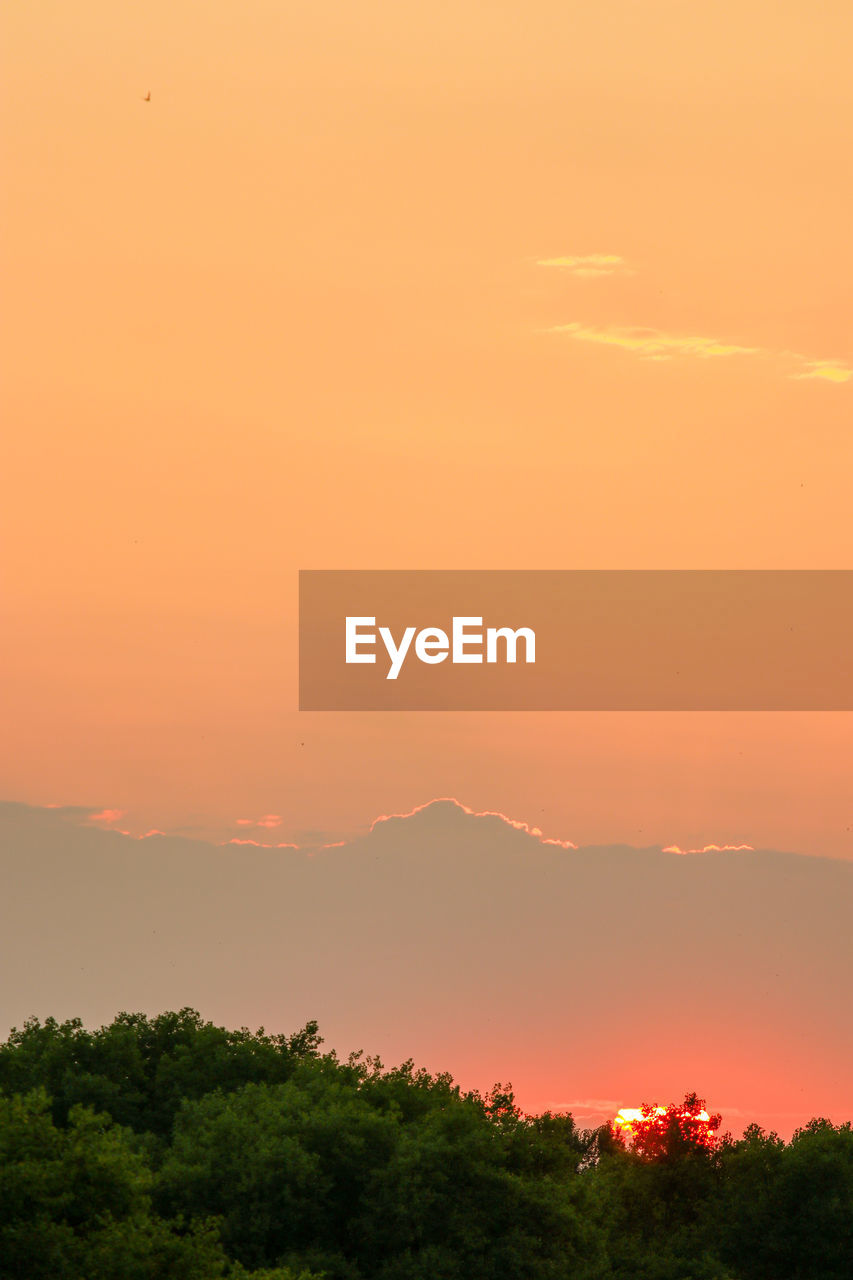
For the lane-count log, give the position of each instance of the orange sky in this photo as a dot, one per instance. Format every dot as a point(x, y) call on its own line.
point(379, 285)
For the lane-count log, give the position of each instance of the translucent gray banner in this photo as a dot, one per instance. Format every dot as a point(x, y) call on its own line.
point(576, 640)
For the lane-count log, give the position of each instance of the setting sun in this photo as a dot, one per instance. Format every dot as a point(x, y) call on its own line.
point(657, 1132)
point(628, 1117)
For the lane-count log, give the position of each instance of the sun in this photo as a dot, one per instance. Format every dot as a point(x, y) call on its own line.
point(628, 1117)
point(655, 1131)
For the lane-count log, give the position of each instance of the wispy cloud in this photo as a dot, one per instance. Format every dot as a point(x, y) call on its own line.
point(652, 344)
point(107, 816)
point(709, 848)
point(828, 370)
point(589, 1106)
point(268, 821)
point(656, 345)
point(589, 264)
point(259, 844)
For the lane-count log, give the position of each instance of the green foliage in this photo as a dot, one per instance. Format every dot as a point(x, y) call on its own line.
point(168, 1147)
point(139, 1070)
point(75, 1202)
point(788, 1210)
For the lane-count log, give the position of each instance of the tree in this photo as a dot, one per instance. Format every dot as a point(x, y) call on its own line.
point(654, 1190)
point(670, 1133)
point(139, 1069)
point(75, 1203)
point(787, 1210)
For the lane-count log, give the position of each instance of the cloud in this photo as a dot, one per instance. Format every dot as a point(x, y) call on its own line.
point(709, 848)
point(443, 812)
point(652, 344)
point(308, 841)
point(107, 815)
point(589, 264)
point(259, 844)
point(827, 370)
point(268, 821)
point(515, 823)
point(656, 345)
point(588, 1106)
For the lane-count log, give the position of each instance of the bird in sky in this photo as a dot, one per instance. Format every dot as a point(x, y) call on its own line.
point(147, 97)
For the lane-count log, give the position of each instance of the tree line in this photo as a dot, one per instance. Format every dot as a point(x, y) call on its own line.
point(167, 1147)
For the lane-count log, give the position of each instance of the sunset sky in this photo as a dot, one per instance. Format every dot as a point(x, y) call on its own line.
point(379, 285)
point(361, 287)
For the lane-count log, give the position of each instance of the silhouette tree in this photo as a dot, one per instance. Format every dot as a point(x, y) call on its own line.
point(672, 1132)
